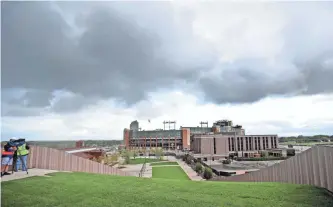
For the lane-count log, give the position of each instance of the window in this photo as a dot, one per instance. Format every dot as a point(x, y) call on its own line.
point(255, 143)
point(259, 140)
point(229, 144)
point(246, 143)
point(250, 143)
point(266, 142)
point(238, 145)
point(242, 147)
point(214, 145)
point(232, 144)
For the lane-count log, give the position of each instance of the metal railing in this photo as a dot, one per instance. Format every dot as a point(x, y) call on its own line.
point(143, 169)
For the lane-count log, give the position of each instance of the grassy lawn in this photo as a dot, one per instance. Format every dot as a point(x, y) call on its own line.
point(170, 172)
point(163, 163)
point(85, 190)
point(142, 160)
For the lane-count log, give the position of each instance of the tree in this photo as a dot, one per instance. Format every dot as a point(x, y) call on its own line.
point(134, 154)
point(208, 173)
point(126, 155)
point(159, 153)
point(198, 168)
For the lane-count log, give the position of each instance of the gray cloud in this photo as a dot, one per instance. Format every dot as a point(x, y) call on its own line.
point(113, 57)
point(249, 83)
point(116, 52)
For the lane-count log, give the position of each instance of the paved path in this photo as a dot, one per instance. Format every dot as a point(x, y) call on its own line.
point(32, 172)
point(188, 170)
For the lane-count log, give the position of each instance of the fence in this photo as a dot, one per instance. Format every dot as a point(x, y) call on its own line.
point(53, 159)
point(313, 166)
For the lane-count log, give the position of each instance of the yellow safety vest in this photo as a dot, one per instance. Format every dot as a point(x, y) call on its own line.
point(21, 150)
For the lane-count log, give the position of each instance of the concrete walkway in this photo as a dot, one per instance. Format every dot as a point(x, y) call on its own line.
point(32, 172)
point(188, 170)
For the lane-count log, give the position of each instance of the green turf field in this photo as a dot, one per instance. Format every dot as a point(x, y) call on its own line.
point(142, 160)
point(170, 172)
point(163, 163)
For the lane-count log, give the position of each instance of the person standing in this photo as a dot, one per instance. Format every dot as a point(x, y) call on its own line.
point(6, 159)
point(21, 154)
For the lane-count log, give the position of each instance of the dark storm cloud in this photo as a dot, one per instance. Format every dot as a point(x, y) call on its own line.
point(111, 54)
point(305, 62)
point(253, 82)
point(112, 58)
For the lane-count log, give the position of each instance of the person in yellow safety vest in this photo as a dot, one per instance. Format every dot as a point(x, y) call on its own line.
point(21, 156)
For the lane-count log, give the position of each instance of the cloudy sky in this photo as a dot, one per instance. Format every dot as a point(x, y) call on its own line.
point(85, 70)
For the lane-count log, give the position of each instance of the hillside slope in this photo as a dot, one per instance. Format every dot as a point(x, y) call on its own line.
point(83, 189)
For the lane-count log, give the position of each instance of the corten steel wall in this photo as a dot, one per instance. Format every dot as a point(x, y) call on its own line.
point(313, 166)
point(48, 158)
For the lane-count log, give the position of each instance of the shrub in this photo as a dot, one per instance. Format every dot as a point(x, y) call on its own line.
point(260, 158)
point(184, 158)
point(198, 168)
point(188, 160)
point(227, 161)
point(208, 173)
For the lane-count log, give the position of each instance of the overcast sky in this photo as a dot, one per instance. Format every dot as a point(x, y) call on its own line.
point(85, 70)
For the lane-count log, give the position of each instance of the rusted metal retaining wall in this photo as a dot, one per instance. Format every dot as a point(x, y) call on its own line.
point(313, 166)
point(53, 159)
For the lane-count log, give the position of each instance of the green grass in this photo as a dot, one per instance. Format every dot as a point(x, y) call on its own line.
point(85, 190)
point(163, 163)
point(170, 172)
point(142, 160)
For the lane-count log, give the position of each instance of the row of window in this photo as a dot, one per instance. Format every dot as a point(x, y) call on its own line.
point(159, 141)
point(166, 133)
point(239, 143)
point(154, 138)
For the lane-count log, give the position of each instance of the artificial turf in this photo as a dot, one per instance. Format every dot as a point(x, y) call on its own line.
point(170, 172)
point(163, 163)
point(143, 160)
point(85, 190)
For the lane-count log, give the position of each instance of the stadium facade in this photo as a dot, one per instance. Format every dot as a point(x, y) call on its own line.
point(174, 138)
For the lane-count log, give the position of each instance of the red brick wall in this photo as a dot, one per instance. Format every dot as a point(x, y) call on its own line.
point(126, 138)
point(186, 138)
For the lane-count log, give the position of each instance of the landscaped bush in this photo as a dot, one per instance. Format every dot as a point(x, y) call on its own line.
point(198, 168)
point(180, 157)
point(208, 173)
point(188, 160)
point(184, 158)
point(227, 161)
point(260, 158)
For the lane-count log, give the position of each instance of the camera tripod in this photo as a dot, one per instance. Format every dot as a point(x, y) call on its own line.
point(14, 158)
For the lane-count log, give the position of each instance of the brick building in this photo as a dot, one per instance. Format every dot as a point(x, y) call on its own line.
point(222, 145)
